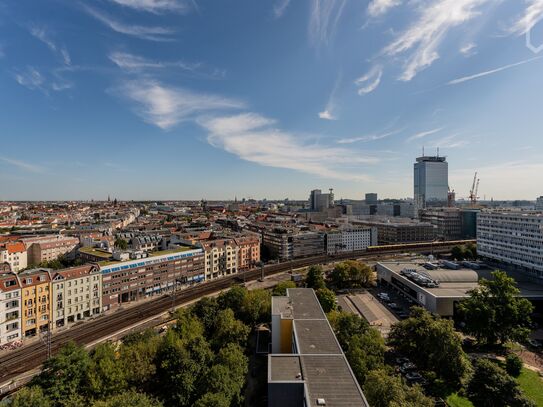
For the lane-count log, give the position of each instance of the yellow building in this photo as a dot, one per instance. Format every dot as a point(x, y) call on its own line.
point(35, 306)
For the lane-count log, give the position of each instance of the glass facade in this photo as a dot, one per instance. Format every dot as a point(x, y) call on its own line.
point(431, 181)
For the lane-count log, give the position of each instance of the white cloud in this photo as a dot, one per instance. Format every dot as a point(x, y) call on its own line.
point(492, 71)
point(424, 134)
point(329, 112)
point(370, 81)
point(157, 6)
point(41, 34)
point(280, 7)
point(325, 15)
point(22, 165)
point(143, 32)
point(166, 107)
point(532, 15)
point(327, 115)
point(379, 7)
point(451, 141)
point(253, 138)
point(367, 139)
point(425, 35)
point(30, 78)
point(468, 49)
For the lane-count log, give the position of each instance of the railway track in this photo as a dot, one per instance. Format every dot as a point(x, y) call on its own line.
point(32, 356)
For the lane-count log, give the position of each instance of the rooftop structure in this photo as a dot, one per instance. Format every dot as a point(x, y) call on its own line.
point(307, 366)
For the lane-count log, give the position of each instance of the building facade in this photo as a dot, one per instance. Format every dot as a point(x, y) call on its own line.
point(319, 201)
point(221, 258)
point(431, 182)
point(36, 300)
point(514, 238)
point(47, 248)
point(76, 294)
point(350, 238)
point(392, 232)
point(539, 204)
point(15, 254)
point(10, 308)
point(448, 222)
point(127, 281)
point(249, 251)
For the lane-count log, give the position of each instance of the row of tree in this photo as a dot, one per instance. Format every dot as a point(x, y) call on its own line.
point(199, 362)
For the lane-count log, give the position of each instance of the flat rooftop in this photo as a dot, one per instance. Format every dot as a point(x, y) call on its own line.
point(305, 304)
point(285, 368)
point(315, 336)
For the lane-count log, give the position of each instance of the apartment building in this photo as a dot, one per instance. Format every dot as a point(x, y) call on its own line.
point(76, 294)
point(51, 247)
point(160, 272)
point(348, 238)
point(221, 257)
point(539, 204)
point(10, 308)
point(396, 231)
point(35, 295)
point(514, 238)
point(15, 254)
point(249, 250)
point(290, 243)
point(447, 222)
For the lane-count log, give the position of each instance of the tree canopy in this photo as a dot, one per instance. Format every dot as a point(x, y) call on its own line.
point(494, 312)
point(351, 274)
point(315, 278)
point(383, 389)
point(327, 299)
point(281, 288)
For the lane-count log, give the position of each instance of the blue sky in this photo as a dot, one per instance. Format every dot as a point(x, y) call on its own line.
point(184, 99)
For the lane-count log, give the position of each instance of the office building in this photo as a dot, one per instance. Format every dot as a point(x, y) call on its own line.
point(307, 366)
point(319, 201)
point(514, 238)
point(371, 199)
point(76, 294)
point(288, 243)
point(539, 204)
point(447, 222)
point(398, 230)
point(10, 308)
point(431, 181)
point(348, 238)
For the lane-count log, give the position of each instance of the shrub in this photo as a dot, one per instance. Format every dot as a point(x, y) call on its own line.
point(513, 365)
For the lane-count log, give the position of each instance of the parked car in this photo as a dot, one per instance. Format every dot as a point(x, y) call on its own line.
point(407, 367)
point(536, 343)
point(402, 361)
point(393, 305)
point(414, 377)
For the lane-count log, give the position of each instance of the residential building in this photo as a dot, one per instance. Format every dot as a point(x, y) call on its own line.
point(447, 222)
point(348, 238)
point(15, 254)
point(514, 238)
point(395, 231)
point(431, 181)
point(76, 294)
point(221, 257)
point(161, 272)
point(307, 366)
point(10, 308)
point(286, 243)
point(249, 250)
point(51, 247)
point(278, 242)
point(35, 295)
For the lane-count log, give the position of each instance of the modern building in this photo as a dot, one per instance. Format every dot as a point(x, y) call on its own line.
point(319, 201)
point(396, 231)
point(15, 254)
point(46, 248)
point(448, 222)
point(307, 366)
point(161, 272)
point(76, 294)
point(431, 181)
point(371, 199)
point(348, 238)
point(307, 244)
point(10, 308)
point(36, 301)
point(539, 204)
point(514, 238)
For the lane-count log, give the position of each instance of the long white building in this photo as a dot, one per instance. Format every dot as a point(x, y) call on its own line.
point(350, 238)
point(514, 238)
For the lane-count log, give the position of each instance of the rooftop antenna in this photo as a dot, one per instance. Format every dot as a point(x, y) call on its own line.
point(423, 151)
point(438, 152)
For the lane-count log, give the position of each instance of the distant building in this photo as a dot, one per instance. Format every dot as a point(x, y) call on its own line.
point(47, 248)
point(36, 301)
point(221, 257)
point(431, 181)
point(348, 238)
point(514, 238)
point(307, 366)
point(15, 254)
point(319, 201)
point(10, 308)
point(371, 199)
point(448, 222)
point(289, 243)
point(249, 250)
point(394, 231)
point(539, 204)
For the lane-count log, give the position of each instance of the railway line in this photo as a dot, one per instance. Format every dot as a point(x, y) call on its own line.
point(29, 357)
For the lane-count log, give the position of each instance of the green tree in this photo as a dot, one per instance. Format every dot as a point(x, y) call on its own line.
point(347, 325)
point(137, 358)
point(327, 299)
point(442, 346)
point(256, 307)
point(458, 253)
point(315, 278)
point(228, 329)
point(206, 310)
point(212, 400)
point(105, 374)
point(494, 312)
point(366, 353)
point(281, 288)
point(234, 299)
point(471, 251)
point(351, 274)
point(513, 365)
point(491, 386)
point(64, 375)
point(28, 397)
point(121, 244)
point(129, 398)
point(188, 326)
point(385, 390)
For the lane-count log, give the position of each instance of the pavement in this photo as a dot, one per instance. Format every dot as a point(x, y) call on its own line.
point(369, 307)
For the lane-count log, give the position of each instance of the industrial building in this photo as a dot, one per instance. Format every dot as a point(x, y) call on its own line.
point(439, 286)
point(431, 181)
point(307, 366)
point(514, 238)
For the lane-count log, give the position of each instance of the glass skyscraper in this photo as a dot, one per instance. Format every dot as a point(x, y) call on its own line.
point(431, 176)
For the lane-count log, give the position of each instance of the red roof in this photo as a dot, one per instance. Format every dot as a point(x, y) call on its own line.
point(16, 247)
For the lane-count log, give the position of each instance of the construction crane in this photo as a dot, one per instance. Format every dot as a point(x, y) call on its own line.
point(474, 190)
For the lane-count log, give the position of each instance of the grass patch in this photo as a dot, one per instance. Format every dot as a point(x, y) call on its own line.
point(531, 385)
point(454, 400)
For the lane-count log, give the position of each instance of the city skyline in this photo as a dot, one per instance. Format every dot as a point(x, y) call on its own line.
point(199, 99)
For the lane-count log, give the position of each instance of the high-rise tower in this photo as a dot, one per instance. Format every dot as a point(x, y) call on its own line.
point(431, 181)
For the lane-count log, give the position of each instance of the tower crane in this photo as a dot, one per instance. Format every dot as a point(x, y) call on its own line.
point(474, 189)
